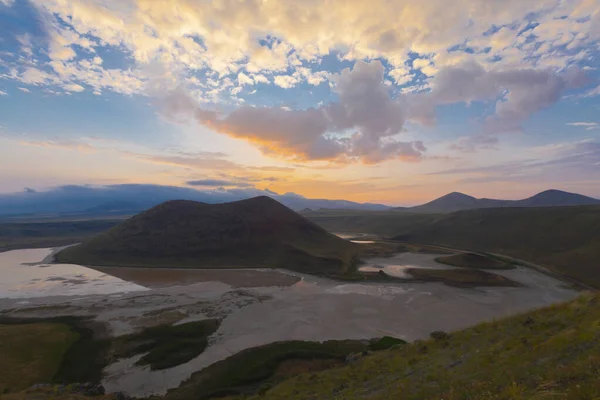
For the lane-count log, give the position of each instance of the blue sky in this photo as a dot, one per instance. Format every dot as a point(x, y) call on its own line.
point(397, 102)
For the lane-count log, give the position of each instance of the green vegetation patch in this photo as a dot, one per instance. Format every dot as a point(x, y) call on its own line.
point(461, 277)
point(261, 367)
point(385, 342)
point(474, 260)
point(552, 353)
point(167, 345)
point(80, 356)
point(32, 353)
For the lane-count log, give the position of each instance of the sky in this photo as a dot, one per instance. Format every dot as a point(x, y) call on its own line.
point(382, 101)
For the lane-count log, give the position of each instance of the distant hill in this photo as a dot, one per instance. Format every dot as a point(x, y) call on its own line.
point(258, 232)
point(458, 201)
point(563, 239)
point(117, 206)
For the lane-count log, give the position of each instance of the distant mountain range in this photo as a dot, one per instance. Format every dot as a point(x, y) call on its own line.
point(120, 200)
point(92, 201)
point(458, 201)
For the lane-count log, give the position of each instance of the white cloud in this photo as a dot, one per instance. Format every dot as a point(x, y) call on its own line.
point(260, 78)
point(35, 76)
point(3, 93)
point(518, 93)
point(584, 124)
point(364, 107)
point(589, 126)
point(73, 87)
point(167, 40)
point(244, 79)
point(7, 3)
point(286, 81)
point(25, 90)
point(593, 92)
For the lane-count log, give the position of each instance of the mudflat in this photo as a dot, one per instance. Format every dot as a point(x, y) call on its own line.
point(164, 277)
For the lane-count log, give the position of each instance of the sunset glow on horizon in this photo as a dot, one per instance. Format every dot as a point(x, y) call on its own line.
point(392, 102)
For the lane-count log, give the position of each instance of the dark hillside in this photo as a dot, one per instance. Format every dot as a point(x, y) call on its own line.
point(564, 239)
point(258, 232)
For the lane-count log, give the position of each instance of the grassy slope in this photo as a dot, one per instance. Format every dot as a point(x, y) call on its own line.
point(258, 232)
point(564, 239)
point(255, 368)
point(32, 353)
point(551, 353)
point(82, 360)
point(472, 260)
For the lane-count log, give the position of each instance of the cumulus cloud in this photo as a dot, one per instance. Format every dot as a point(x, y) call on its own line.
point(283, 37)
point(73, 87)
point(360, 126)
point(518, 93)
point(286, 81)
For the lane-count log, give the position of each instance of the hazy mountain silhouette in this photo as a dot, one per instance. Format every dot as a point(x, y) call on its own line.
point(459, 201)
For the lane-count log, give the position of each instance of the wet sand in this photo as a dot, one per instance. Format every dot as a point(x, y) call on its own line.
point(164, 277)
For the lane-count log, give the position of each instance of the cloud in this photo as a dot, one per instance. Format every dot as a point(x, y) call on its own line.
point(286, 81)
point(3, 93)
point(593, 92)
point(24, 90)
point(199, 161)
point(7, 3)
point(577, 161)
point(173, 40)
point(470, 144)
point(29, 190)
point(244, 79)
point(73, 87)
point(518, 93)
point(61, 143)
point(217, 183)
point(587, 125)
point(360, 126)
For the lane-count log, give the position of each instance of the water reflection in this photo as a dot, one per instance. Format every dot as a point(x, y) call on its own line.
point(21, 277)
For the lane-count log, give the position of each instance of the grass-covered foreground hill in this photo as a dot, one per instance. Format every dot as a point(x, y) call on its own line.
point(258, 232)
point(553, 353)
point(564, 239)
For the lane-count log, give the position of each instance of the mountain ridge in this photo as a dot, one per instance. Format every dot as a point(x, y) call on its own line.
point(456, 201)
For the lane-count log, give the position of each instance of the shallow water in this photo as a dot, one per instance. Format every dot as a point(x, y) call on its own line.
point(398, 264)
point(22, 275)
